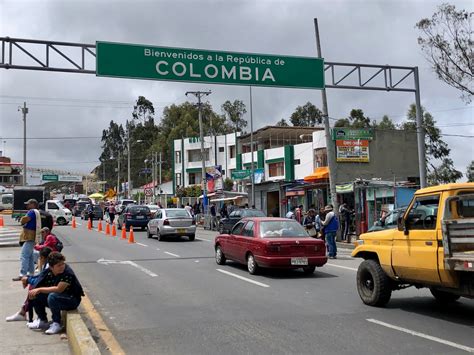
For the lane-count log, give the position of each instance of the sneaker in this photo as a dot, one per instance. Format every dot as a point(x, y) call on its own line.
point(16, 317)
point(38, 324)
point(18, 278)
point(54, 328)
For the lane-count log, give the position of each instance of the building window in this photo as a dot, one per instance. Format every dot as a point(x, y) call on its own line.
point(194, 155)
point(178, 179)
point(194, 178)
point(178, 157)
point(232, 152)
point(276, 169)
point(320, 157)
point(221, 149)
point(297, 161)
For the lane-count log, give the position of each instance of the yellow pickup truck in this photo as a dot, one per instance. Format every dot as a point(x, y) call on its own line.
point(432, 247)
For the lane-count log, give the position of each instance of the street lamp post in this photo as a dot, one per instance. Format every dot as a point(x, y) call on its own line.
point(129, 181)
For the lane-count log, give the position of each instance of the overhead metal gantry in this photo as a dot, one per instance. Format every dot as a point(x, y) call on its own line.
point(19, 53)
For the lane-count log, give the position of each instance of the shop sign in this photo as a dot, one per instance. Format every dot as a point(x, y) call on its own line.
point(6, 169)
point(348, 151)
point(352, 133)
point(50, 177)
point(70, 178)
point(346, 188)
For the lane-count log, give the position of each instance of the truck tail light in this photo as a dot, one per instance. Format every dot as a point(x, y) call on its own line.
point(128, 215)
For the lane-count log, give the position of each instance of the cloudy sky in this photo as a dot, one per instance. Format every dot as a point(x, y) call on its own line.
point(79, 105)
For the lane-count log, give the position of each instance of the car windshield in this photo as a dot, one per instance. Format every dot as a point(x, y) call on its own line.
point(279, 229)
point(60, 205)
point(125, 203)
point(253, 213)
point(177, 214)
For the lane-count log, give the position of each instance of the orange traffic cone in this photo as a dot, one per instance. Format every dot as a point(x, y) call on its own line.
point(1, 221)
point(73, 225)
point(107, 229)
point(124, 231)
point(114, 231)
point(131, 238)
point(89, 224)
point(99, 227)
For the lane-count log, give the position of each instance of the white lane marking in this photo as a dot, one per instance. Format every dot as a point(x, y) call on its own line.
point(196, 261)
point(79, 224)
point(243, 278)
point(205, 240)
point(422, 335)
point(176, 255)
point(342, 267)
point(157, 248)
point(141, 268)
point(127, 262)
point(143, 245)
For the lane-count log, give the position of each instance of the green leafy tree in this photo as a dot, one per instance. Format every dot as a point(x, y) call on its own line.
point(282, 123)
point(234, 113)
point(446, 40)
point(113, 143)
point(143, 111)
point(307, 115)
point(444, 173)
point(440, 168)
point(228, 184)
point(470, 172)
point(385, 124)
point(356, 119)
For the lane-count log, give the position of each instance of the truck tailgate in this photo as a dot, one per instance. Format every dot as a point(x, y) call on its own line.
point(458, 243)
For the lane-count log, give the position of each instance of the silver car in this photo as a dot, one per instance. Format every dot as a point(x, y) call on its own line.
point(172, 222)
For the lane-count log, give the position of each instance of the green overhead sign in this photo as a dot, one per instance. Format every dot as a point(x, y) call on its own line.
point(352, 133)
point(49, 177)
point(195, 65)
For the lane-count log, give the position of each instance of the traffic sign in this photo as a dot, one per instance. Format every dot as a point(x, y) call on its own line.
point(50, 177)
point(148, 192)
point(196, 65)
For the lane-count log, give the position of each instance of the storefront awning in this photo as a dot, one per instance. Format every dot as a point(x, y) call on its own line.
point(318, 174)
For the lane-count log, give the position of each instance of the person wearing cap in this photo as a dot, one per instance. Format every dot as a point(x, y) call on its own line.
point(330, 226)
point(29, 235)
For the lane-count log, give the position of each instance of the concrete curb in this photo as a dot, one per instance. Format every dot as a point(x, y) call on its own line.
point(80, 339)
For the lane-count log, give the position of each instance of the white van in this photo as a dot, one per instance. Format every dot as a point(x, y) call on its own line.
point(6, 202)
point(61, 214)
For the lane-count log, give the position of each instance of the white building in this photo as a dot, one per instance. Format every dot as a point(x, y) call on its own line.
point(218, 150)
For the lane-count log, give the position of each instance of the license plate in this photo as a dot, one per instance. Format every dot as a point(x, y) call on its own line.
point(181, 230)
point(140, 217)
point(299, 261)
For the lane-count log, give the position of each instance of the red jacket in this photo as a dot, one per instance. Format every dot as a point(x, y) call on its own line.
point(49, 242)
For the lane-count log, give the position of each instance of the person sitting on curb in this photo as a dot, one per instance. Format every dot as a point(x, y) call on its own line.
point(59, 289)
point(31, 282)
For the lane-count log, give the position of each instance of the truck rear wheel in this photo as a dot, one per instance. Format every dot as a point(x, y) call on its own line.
point(373, 285)
point(443, 296)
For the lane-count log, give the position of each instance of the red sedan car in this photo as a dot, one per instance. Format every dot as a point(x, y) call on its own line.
point(270, 243)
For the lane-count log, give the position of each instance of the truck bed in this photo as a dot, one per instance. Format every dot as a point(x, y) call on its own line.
point(458, 243)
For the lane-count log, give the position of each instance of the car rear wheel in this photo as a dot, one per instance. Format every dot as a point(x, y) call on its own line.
point(221, 228)
point(308, 270)
point(192, 237)
point(220, 257)
point(159, 236)
point(252, 266)
point(444, 297)
point(373, 285)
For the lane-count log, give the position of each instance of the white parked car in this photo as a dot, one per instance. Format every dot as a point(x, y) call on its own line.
point(174, 222)
point(153, 209)
point(120, 206)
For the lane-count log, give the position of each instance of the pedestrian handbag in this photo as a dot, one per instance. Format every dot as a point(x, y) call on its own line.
point(311, 230)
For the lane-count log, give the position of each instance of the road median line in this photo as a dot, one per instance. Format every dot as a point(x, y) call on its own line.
point(422, 335)
point(243, 278)
point(343, 267)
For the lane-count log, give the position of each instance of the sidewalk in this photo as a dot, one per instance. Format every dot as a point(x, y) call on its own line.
point(15, 337)
point(10, 232)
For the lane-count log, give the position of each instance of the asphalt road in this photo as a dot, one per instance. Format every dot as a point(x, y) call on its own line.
point(172, 298)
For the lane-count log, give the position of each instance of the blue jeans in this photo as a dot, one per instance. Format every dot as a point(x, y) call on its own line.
point(331, 242)
point(56, 302)
point(26, 258)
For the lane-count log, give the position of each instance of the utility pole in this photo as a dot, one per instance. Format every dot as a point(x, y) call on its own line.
point(118, 174)
point(331, 154)
point(200, 94)
point(153, 176)
point(129, 183)
point(24, 111)
point(160, 175)
point(420, 131)
point(251, 149)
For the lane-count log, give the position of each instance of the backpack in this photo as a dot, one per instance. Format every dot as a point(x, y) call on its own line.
point(59, 244)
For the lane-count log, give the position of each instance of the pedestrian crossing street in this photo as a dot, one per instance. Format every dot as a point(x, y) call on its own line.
point(9, 236)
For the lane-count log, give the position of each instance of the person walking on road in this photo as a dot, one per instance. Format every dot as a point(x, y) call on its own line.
point(299, 214)
point(112, 213)
point(57, 288)
point(345, 214)
point(30, 234)
point(213, 216)
point(90, 214)
point(330, 227)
